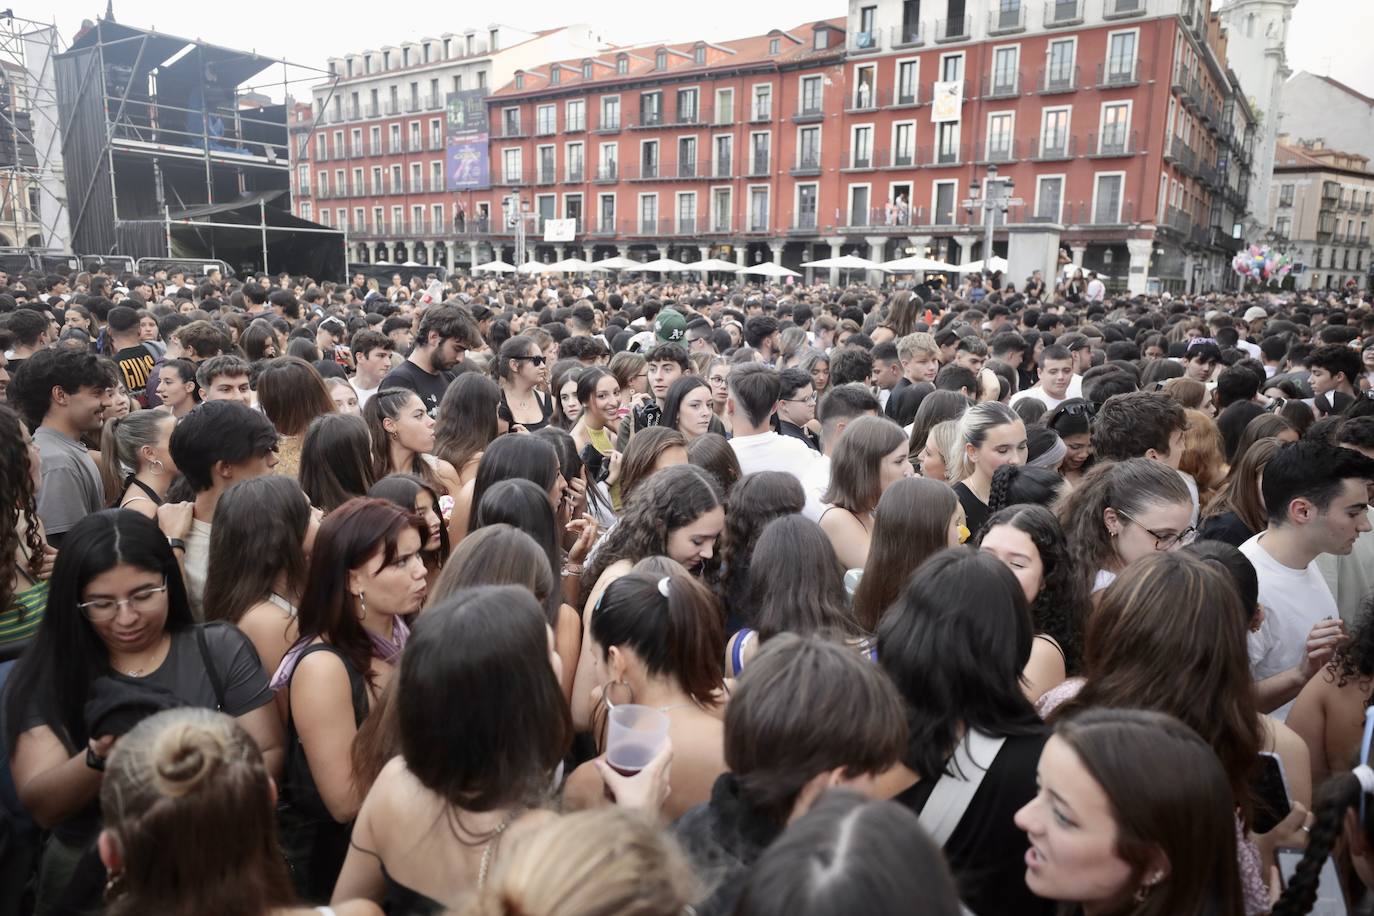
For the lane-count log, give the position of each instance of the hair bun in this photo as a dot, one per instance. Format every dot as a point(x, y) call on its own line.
point(185, 755)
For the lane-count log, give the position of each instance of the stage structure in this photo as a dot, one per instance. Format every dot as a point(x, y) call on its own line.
point(32, 193)
point(169, 149)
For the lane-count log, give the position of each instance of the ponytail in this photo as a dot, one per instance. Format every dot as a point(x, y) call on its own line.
point(1001, 484)
point(696, 637)
point(1337, 796)
point(112, 470)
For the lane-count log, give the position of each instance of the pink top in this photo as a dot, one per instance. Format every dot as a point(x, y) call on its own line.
point(1247, 853)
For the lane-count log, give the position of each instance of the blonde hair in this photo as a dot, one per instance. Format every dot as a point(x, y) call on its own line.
point(973, 430)
point(944, 438)
point(1204, 454)
point(607, 862)
point(188, 799)
point(918, 343)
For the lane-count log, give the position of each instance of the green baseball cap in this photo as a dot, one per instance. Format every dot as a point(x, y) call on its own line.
point(670, 326)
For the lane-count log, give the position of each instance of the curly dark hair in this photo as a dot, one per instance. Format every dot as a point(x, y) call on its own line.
point(754, 502)
point(1354, 661)
point(671, 498)
point(18, 500)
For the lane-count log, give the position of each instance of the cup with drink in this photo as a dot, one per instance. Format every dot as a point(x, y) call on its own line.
point(634, 737)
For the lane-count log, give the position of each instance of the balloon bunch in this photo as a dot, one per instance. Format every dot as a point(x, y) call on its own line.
point(1262, 265)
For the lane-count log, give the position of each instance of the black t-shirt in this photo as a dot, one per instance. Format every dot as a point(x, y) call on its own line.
point(430, 386)
point(987, 850)
point(136, 364)
point(976, 512)
point(1226, 527)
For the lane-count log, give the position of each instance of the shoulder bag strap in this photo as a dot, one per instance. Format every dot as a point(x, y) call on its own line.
point(215, 681)
point(952, 794)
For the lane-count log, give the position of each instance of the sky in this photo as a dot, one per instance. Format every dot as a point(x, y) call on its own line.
point(1328, 37)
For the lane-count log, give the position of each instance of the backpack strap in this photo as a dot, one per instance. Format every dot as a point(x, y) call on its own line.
point(210, 670)
point(950, 798)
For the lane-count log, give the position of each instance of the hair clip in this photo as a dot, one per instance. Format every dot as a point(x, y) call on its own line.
point(663, 586)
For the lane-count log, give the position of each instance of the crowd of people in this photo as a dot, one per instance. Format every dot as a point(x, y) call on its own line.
point(543, 597)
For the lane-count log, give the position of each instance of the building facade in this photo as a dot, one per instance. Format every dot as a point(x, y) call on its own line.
point(1118, 123)
point(1318, 106)
point(368, 151)
point(1322, 201)
point(1257, 38)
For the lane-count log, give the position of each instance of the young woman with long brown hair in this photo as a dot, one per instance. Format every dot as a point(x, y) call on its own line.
point(292, 394)
point(402, 434)
point(870, 456)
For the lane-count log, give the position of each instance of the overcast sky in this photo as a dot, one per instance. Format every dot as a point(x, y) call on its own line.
point(1329, 37)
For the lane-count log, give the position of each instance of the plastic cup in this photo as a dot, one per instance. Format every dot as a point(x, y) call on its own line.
point(634, 737)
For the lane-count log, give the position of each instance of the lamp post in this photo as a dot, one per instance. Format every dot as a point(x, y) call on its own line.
point(993, 195)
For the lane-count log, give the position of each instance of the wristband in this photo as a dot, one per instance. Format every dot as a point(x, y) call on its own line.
point(177, 544)
point(94, 760)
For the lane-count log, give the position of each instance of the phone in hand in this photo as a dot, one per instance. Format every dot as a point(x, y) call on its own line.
point(1272, 803)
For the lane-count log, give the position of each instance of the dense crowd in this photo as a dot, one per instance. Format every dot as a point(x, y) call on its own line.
point(551, 597)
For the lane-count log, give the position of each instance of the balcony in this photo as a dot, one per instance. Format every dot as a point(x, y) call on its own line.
point(647, 120)
point(416, 145)
point(955, 29)
point(325, 193)
point(1112, 143)
point(866, 99)
point(350, 112)
point(604, 226)
point(1057, 79)
point(1001, 85)
point(1118, 73)
point(433, 102)
point(759, 165)
point(1181, 155)
point(546, 128)
point(1122, 9)
point(574, 125)
point(722, 168)
point(514, 178)
point(1053, 147)
point(372, 110)
point(1083, 214)
point(859, 160)
point(356, 151)
point(648, 171)
point(808, 112)
point(907, 97)
point(907, 35)
point(804, 222)
point(546, 175)
point(686, 225)
point(413, 104)
point(435, 144)
point(940, 157)
point(607, 173)
point(880, 219)
point(1002, 149)
point(510, 131)
point(417, 185)
point(807, 164)
point(1179, 221)
point(1061, 14)
point(761, 114)
point(692, 117)
point(573, 174)
point(393, 107)
point(303, 189)
point(608, 125)
point(687, 168)
point(321, 153)
point(720, 225)
point(865, 42)
point(1007, 21)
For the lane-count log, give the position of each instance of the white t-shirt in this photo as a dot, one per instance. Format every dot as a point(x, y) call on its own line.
point(1294, 600)
point(814, 483)
point(195, 565)
point(364, 394)
point(772, 452)
point(1041, 395)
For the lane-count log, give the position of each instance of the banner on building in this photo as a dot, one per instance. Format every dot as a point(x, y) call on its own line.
point(560, 230)
point(948, 102)
point(466, 165)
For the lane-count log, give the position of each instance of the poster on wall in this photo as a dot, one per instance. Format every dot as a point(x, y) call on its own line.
point(466, 167)
point(948, 101)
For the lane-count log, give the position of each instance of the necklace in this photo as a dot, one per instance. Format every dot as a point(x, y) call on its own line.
point(138, 672)
point(490, 851)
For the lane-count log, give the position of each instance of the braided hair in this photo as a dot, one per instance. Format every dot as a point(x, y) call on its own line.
point(1020, 483)
point(1336, 796)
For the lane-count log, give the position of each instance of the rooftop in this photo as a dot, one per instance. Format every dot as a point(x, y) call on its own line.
point(1314, 154)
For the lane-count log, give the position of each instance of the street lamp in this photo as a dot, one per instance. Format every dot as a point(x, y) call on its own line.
point(993, 195)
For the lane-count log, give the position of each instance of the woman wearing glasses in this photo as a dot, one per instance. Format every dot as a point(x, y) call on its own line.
point(118, 628)
point(1123, 512)
point(520, 370)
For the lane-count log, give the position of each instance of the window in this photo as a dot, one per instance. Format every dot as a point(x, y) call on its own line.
point(759, 153)
point(868, 15)
point(510, 164)
point(355, 142)
point(481, 79)
point(699, 54)
point(1004, 62)
point(606, 167)
point(1286, 195)
point(648, 159)
point(415, 144)
point(305, 209)
point(575, 162)
point(725, 106)
point(586, 69)
point(821, 40)
point(724, 147)
point(811, 89)
point(720, 210)
point(762, 109)
point(772, 46)
point(357, 177)
point(946, 143)
point(648, 213)
point(622, 64)
point(860, 212)
point(575, 115)
point(436, 175)
point(942, 202)
point(1121, 57)
point(906, 82)
point(1059, 69)
point(903, 143)
point(1282, 226)
point(377, 184)
point(511, 117)
point(864, 79)
point(807, 196)
point(1049, 197)
point(1116, 120)
point(687, 157)
point(660, 60)
point(952, 67)
point(436, 133)
point(547, 167)
point(686, 106)
point(861, 147)
point(546, 119)
point(324, 217)
point(555, 75)
point(999, 136)
point(1107, 198)
point(359, 219)
point(1054, 133)
point(397, 185)
point(519, 81)
point(322, 185)
point(417, 218)
point(378, 219)
point(605, 221)
point(493, 40)
point(417, 181)
point(758, 209)
point(610, 112)
point(651, 108)
point(687, 213)
point(809, 148)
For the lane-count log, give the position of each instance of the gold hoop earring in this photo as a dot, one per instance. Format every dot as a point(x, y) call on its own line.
point(158, 467)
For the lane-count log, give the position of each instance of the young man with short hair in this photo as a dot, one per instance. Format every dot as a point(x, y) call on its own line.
point(446, 332)
point(797, 406)
point(1316, 497)
point(837, 408)
point(371, 362)
point(215, 446)
point(754, 393)
point(887, 370)
point(1334, 367)
point(62, 394)
point(957, 378)
point(135, 361)
point(761, 333)
point(1201, 359)
point(32, 332)
point(1008, 347)
point(225, 378)
point(1056, 377)
point(971, 353)
point(665, 363)
point(1351, 577)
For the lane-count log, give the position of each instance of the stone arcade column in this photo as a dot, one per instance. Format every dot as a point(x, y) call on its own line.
point(836, 242)
point(876, 244)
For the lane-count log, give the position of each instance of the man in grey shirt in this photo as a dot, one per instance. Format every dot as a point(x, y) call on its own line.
point(62, 394)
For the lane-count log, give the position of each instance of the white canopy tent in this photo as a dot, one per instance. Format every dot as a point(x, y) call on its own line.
point(616, 263)
point(846, 262)
point(715, 264)
point(536, 267)
point(664, 265)
point(916, 265)
point(572, 265)
point(994, 264)
point(495, 267)
point(769, 269)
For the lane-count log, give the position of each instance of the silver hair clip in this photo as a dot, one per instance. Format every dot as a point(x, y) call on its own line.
point(663, 586)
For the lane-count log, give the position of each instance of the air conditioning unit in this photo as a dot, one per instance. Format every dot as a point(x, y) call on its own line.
point(864, 40)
